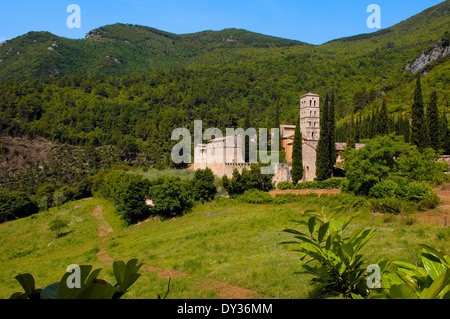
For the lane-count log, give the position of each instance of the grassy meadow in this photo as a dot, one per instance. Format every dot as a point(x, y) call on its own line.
point(221, 249)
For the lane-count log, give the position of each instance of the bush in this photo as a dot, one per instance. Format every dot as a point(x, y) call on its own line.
point(254, 196)
point(58, 226)
point(170, 195)
point(128, 192)
point(332, 183)
point(203, 187)
point(387, 205)
point(253, 179)
point(417, 192)
point(429, 203)
point(385, 188)
point(285, 185)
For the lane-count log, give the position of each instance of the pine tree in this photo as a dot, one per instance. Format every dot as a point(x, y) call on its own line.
point(323, 155)
point(419, 136)
point(331, 134)
point(382, 123)
point(433, 121)
point(297, 155)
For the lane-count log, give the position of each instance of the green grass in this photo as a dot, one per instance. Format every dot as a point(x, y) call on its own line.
point(217, 242)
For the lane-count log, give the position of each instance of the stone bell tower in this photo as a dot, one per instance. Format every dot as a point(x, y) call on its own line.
point(310, 116)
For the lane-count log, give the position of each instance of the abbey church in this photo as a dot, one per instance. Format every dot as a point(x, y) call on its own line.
point(223, 155)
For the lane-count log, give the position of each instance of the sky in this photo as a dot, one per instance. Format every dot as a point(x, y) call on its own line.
point(311, 21)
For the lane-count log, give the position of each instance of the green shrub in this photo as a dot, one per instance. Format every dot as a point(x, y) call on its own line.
point(334, 260)
point(385, 188)
point(387, 205)
point(417, 192)
point(58, 226)
point(254, 196)
point(246, 180)
point(332, 183)
point(170, 195)
point(202, 185)
point(128, 192)
point(429, 203)
point(285, 185)
point(308, 185)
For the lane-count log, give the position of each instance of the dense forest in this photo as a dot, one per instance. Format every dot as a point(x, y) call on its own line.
point(115, 97)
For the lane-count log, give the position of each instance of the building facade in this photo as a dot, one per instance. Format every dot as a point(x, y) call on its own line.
point(223, 155)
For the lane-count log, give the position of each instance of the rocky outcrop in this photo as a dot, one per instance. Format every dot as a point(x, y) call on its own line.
point(439, 50)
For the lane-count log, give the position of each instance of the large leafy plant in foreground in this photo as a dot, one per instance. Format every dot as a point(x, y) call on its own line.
point(90, 286)
point(409, 281)
point(330, 256)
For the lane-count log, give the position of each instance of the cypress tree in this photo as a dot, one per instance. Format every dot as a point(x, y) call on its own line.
point(323, 156)
point(433, 121)
point(382, 123)
point(419, 136)
point(331, 134)
point(444, 134)
point(406, 130)
point(297, 155)
point(351, 134)
point(246, 140)
point(276, 121)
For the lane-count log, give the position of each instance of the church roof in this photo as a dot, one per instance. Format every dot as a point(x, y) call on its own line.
point(310, 94)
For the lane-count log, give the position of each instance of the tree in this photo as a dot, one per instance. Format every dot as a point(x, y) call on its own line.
point(170, 195)
point(15, 205)
point(323, 155)
point(276, 121)
point(202, 185)
point(389, 157)
point(444, 134)
point(246, 139)
point(331, 134)
point(433, 121)
point(419, 135)
point(297, 155)
point(382, 123)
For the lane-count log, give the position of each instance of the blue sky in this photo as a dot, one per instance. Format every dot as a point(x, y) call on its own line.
point(312, 21)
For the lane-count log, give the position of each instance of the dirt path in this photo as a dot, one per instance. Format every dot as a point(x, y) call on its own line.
point(103, 230)
point(437, 215)
point(223, 289)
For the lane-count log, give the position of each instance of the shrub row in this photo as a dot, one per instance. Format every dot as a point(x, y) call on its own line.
point(259, 197)
point(332, 183)
point(137, 197)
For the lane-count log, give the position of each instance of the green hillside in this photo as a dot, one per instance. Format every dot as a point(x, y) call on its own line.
point(219, 250)
point(118, 49)
point(126, 87)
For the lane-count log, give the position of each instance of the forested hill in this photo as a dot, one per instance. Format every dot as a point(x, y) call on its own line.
point(129, 86)
point(119, 49)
